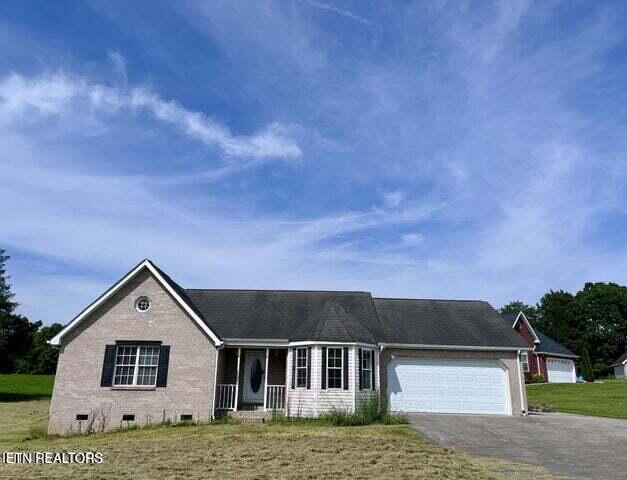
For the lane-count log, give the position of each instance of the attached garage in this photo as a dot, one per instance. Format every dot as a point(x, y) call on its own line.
point(448, 386)
point(560, 370)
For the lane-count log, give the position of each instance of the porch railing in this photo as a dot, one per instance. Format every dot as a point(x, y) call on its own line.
point(225, 396)
point(275, 397)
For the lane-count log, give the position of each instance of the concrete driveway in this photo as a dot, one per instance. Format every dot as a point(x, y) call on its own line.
point(572, 445)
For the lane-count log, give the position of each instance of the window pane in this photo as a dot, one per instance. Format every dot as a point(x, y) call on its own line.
point(147, 376)
point(301, 377)
point(335, 378)
point(124, 375)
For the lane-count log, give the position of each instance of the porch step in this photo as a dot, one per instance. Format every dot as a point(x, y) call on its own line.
point(250, 416)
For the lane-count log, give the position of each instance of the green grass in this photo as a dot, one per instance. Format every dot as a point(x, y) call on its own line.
point(18, 387)
point(607, 399)
point(245, 451)
point(370, 412)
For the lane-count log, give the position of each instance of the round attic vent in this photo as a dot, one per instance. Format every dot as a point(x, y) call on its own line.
point(142, 304)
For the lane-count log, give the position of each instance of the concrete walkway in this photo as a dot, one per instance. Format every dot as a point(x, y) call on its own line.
point(572, 445)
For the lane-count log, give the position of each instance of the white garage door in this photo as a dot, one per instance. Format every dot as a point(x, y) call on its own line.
point(560, 370)
point(448, 386)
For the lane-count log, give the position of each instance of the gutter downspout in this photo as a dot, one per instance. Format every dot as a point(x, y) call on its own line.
point(522, 397)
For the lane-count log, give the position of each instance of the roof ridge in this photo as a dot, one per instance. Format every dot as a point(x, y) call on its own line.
point(429, 299)
point(272, 290)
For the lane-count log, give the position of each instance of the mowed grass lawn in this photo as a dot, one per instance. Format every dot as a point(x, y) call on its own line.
point(17, 387)
point(606, 399)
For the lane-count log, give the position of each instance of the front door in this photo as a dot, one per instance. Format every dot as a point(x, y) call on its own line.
point(254, 376)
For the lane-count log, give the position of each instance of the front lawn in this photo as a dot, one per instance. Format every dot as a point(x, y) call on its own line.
point(17, 387)
point(607, 399)
point(260, 451)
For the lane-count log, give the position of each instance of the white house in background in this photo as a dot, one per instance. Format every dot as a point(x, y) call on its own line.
point(620, 367)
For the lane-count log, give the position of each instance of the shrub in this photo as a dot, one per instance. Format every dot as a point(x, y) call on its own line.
point(586, 367)
point(535, 378)
point(373, 410)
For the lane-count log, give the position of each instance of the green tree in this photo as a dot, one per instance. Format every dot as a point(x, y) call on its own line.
point(24, 345)
point(586, 366)
point(557, 317)
point(602, 313)
point(516, 306)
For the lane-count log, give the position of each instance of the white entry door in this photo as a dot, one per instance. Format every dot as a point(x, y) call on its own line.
point(254, 376)
point(560, 370)
point(448, 386)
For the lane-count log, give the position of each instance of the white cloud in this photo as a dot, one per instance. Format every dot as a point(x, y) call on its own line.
point(336, 10)
point(60, 93)
point(412, 238)
point(393, 199)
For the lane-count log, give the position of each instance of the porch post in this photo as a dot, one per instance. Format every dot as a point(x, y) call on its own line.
point(239, 352)
point(265, 383)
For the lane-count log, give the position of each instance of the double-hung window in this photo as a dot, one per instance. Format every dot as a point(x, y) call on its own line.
point(366, 369)
point(136, 365)
point(301, 367)
point(334, 368)
point(524, 361)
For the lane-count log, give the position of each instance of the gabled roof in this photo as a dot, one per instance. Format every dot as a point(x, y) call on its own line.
point(289, 315)
point(622, 360)
point(514, 318)
point(170, 286)
point(333, 324)
point(543, 344)
point(446, 323)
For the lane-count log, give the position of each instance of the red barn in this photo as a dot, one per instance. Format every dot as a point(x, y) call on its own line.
point(553, 361)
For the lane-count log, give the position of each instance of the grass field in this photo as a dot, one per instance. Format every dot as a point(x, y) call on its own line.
point(235, 451)
point(16, 387)
point(607, 399)
point(258, 451)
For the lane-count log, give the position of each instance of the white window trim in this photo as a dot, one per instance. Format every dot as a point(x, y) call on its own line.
point(302, 368)
point(341, 368)
point(136, 367)
point(524, 362)
point(369, 370)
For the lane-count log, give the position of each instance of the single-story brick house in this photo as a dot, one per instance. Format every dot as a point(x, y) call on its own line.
point(148, 350)
point(553, 361)
point(620, 366)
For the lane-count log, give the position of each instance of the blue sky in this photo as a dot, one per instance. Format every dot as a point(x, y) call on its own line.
point(413, 149)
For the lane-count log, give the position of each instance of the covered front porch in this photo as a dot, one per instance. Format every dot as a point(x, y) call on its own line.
point(251, 378)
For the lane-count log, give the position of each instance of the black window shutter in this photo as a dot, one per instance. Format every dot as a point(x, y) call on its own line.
point(164, 361)
point(308, 368)
point(360, 371)
point(373, 368)
point(345, 368)
point(324, 369)
point(293, 367)
point(106, 380)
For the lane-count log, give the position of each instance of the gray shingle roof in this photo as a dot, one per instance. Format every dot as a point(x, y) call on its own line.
point(445, 322)
point(289, 315)
point(619, 360)
point(334, 324)
point(548, 345)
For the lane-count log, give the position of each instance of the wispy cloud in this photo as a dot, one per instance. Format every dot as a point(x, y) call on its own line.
point(59, 93)
point(339, 11)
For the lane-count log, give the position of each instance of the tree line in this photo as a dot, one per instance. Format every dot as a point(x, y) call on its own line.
point(592, 323)
point(24, 346)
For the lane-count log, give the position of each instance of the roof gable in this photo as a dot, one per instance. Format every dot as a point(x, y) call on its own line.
point(289, 315)
point(332, 323)
point(622, 360)
point(166, 282)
